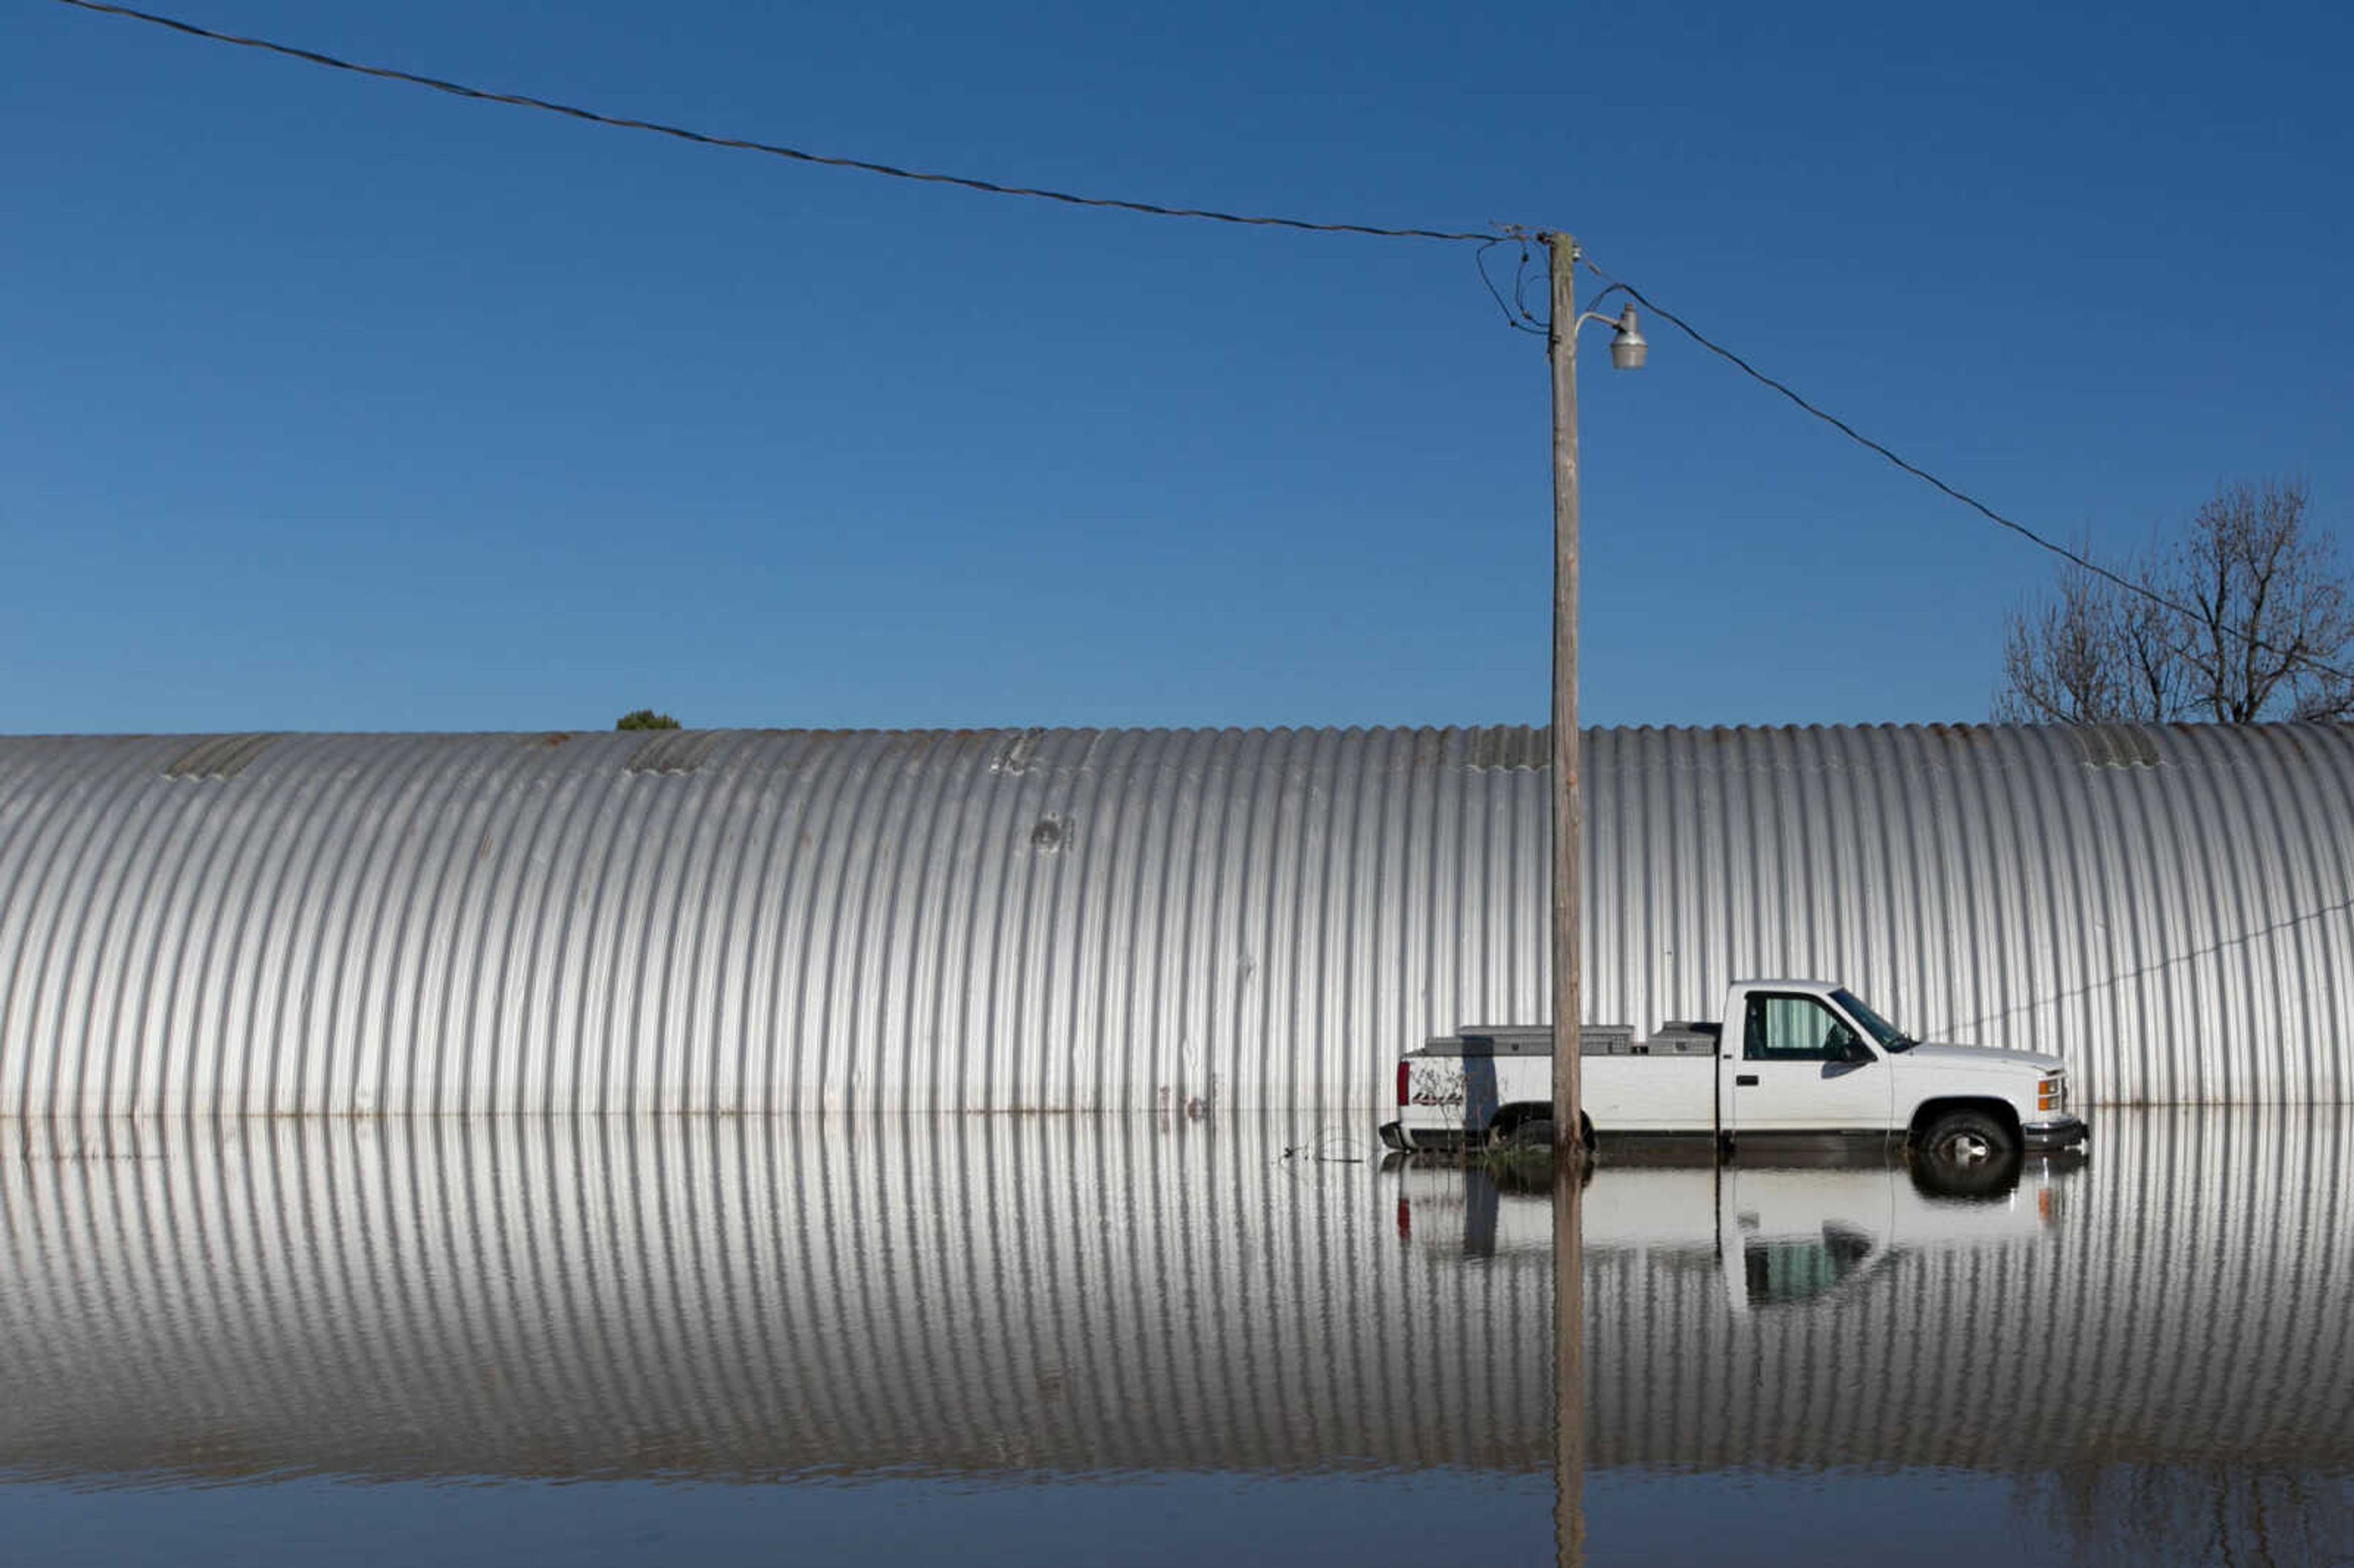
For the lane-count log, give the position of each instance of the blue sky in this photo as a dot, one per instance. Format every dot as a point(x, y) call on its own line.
point(329, 404)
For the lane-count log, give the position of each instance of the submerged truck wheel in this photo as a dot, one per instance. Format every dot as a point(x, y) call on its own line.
point(1968, 1153)
point(1536, 1132)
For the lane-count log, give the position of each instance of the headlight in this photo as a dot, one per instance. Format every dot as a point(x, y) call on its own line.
point(2052, 1093)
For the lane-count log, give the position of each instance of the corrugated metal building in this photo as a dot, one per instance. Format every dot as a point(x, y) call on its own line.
point(1083, 919)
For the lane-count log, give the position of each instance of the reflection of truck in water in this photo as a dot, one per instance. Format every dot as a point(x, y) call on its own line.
point(1795, 1056)
point(1777, 1235)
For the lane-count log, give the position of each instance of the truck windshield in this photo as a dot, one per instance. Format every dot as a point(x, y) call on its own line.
point(1890, 1038)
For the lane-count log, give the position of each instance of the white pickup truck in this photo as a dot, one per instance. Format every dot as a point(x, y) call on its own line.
point(1795, 1058)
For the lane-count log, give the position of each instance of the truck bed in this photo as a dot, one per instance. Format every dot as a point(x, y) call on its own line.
point(1666, 1083)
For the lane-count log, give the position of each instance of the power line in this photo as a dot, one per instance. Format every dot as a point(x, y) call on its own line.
point(1515, 312)
point(797, 154)
point(1918, 471)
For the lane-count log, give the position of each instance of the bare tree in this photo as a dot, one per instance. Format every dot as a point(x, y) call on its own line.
point(2269, 603)
point(2093, 655)
point(2239, 621)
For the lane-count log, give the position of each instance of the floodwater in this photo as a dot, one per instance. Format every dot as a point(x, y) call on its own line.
point(1074, 1339)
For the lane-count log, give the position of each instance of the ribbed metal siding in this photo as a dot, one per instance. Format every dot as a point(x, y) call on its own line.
point(1127, 919)
point(734, 1299)
point(2181, 926)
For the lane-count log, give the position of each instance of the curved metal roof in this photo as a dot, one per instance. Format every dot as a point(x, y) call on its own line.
point(1084, 919)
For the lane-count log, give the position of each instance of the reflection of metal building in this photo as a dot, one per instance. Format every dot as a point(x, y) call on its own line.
point(729, 1298)
point(1030, 919)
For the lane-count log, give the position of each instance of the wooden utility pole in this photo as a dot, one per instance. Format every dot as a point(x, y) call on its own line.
point(1568, 1003)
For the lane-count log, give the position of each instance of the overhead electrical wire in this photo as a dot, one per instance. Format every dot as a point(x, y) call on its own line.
point(2164, 602)
point(1516, 312)
point(774, 150)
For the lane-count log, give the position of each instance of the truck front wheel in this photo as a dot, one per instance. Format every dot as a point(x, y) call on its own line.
point(1963, 1145)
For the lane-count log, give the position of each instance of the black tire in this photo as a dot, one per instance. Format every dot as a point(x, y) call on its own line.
point(1536, 1132)
point(1967, 1154)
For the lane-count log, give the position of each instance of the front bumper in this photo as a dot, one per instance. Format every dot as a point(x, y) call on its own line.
point(2066, 1132)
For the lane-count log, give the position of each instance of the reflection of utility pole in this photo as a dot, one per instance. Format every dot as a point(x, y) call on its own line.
point(1569, 1363)
point(1627, 352)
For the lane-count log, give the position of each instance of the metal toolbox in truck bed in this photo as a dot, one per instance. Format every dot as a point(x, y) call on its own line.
point(1530, 1040)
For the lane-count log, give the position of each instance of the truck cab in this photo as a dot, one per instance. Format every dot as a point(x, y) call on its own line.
point(1813, 1057)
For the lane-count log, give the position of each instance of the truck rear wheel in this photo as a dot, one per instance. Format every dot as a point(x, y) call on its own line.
point(1536, 1132)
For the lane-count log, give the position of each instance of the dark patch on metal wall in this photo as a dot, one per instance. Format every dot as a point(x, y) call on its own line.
point(2116, 745)
point(217, 757)
point(1508, 748)
point(673, 751)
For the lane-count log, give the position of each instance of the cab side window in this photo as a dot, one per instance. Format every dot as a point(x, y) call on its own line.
point(1794, 1029)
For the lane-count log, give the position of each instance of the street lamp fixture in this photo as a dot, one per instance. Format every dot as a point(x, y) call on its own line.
point(1628, 346)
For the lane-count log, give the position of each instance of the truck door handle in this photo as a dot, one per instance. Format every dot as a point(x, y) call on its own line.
point(1744, 1080)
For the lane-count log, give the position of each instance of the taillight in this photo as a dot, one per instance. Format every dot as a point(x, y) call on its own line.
point(1401, 1100)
